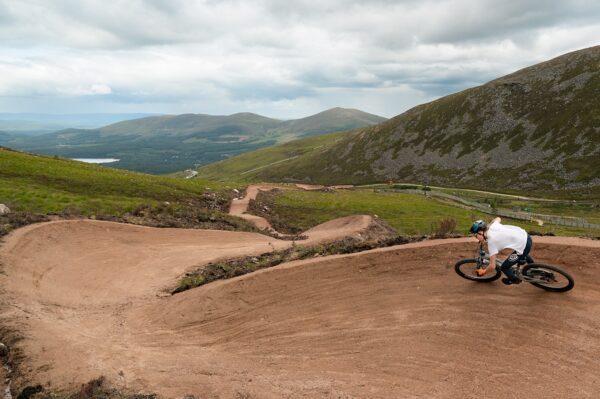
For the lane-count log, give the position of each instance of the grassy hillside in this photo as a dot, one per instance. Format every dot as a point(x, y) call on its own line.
point(165, 144)
point(246, 123)
point(254, 165)
point(408, 214)
point(333, 120)
point(48, 185)
point(536, 131)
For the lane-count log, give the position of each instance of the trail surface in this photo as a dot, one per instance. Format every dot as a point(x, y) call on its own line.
point(89, 299)
point(239, 207)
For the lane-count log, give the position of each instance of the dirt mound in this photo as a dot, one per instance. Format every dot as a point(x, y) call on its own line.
point(357, 226)
point(394, 322)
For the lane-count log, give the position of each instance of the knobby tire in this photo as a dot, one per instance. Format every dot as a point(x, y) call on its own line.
point(540, 266)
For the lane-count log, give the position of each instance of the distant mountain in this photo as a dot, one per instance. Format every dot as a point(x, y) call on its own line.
point(33, 124)
point(536, 130)
point(210, 125)
point(169, 143)
point(332, 120)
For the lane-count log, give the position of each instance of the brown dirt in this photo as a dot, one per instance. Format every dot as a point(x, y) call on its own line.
point(88, 298)
point(2, 380)
point(240, 206)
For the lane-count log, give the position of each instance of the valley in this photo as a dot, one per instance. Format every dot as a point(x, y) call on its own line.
point(171, 143)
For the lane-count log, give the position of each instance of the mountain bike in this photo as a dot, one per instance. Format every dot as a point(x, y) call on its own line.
point(547, 277)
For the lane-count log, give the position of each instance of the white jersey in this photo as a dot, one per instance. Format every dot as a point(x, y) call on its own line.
point(500, 236)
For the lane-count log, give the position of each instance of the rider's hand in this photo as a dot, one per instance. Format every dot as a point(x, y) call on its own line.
point(480, 272)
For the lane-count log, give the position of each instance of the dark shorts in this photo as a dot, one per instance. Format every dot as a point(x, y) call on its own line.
point(515, 258)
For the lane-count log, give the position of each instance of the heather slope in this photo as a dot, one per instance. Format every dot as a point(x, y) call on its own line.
point(535, 131)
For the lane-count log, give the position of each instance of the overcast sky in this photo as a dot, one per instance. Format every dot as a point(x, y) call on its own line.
point(278, 58)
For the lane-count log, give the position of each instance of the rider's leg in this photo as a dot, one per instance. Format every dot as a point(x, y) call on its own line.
point(513, 259)
point(508, 264)
point(527, 249)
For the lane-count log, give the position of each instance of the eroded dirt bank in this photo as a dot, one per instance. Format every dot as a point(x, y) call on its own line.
point(395, 322)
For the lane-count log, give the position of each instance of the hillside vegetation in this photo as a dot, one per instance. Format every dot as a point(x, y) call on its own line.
point(535, 131)
point(410, 213)
point(170, 143)
point(41, 185)
point(253, 165)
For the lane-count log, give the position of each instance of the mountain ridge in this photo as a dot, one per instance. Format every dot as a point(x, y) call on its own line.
point(170, 143)
point(535, 130)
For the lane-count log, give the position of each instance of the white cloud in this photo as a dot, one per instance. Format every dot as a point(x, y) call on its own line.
point(282, 59)
point(100, 89)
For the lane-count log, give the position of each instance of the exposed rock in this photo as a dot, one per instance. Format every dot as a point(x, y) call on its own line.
point(4, 209)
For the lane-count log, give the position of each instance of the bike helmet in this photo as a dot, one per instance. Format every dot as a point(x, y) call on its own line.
point(477, 226)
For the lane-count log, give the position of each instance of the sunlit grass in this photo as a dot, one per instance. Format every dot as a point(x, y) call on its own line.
point(410, 214)
point(46, 185)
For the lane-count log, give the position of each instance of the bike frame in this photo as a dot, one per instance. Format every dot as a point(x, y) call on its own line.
point(483, 261)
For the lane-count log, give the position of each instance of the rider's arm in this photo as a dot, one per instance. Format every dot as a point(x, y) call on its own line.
point(492, 266)
point(489, 268)
point(493, 251)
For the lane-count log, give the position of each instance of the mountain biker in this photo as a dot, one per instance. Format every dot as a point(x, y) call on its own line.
point(499, 237)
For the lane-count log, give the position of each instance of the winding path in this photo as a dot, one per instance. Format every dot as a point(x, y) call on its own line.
point(239, 207)
point(89, 299)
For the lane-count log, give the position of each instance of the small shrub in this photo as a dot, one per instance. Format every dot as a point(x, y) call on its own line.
point(72, 211)
point(445, 227)
point(190, 282)
point(405, 187)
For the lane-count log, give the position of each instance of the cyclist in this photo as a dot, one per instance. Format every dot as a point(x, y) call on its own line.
point(499, 237)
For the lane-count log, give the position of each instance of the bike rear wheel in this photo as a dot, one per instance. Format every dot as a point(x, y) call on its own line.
point(466, 269)
point(548, 277)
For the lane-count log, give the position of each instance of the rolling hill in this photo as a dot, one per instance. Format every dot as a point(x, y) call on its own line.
point(35, 124)
point(169, 143)
point(36, 187)
point(536, 131)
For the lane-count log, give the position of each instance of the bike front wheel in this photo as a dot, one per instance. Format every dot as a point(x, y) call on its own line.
point(466, 268)
point(547, 277)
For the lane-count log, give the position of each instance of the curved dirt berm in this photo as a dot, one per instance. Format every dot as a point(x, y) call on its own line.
point(88, 299)
point(356, 226)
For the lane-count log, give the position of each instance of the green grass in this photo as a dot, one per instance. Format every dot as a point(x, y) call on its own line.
point(409, 214)
point(41, 184)
point(587, 209)
point(249, 166)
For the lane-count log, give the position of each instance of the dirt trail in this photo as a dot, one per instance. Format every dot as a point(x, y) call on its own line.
point(88, 298)
point(240, 206)
point(329, 231)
